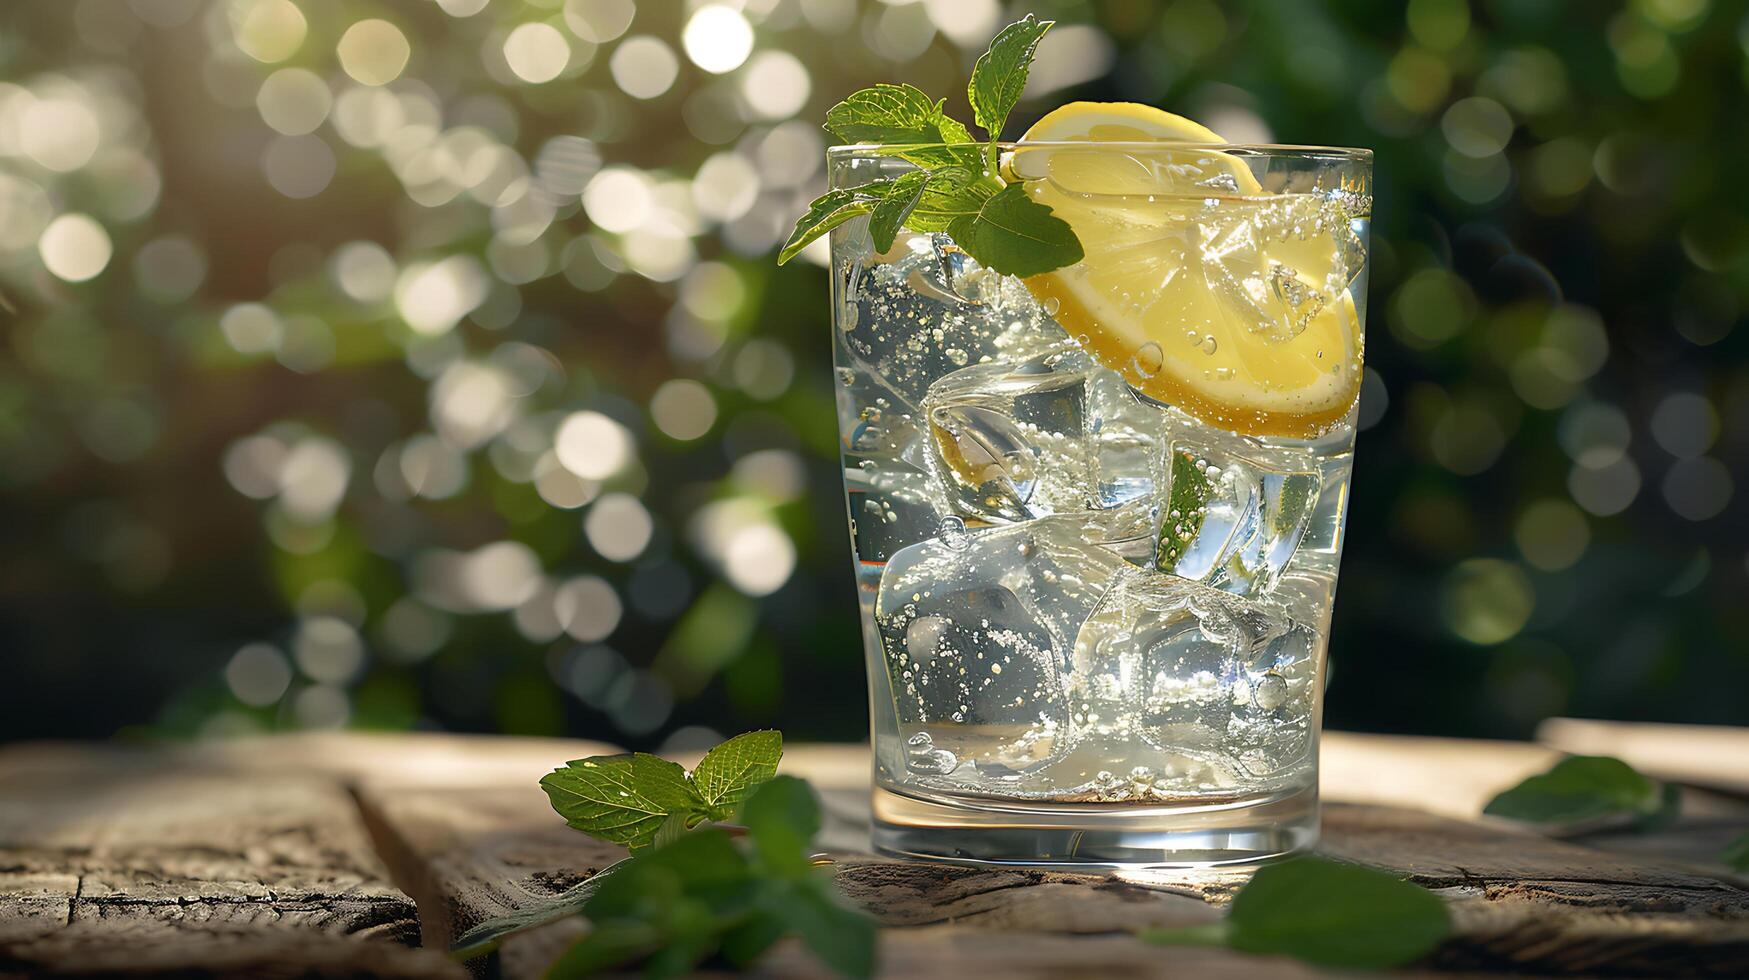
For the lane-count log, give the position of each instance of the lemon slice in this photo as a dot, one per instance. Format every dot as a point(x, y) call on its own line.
point(1202, 290)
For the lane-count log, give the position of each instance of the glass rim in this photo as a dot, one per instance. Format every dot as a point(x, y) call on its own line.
point(1354, 154)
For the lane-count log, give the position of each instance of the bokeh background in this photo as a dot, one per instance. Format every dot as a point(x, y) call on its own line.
point(424, 363)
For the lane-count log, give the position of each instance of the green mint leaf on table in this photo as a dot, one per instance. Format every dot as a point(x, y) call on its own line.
point(1585, 789)
point(670, 830)
point(843, 939)
point(608, 944)
point(1327, 913)
point(1000, 74)
point(1736, 855)
point(726, 773)
point(485, 937)
point(1016, 236)
point(621, 798)
point(781, 817)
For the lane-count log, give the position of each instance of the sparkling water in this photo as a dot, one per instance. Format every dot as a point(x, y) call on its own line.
point(1070, 592)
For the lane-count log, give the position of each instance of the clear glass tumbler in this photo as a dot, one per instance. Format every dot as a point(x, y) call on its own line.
point(1097, 513)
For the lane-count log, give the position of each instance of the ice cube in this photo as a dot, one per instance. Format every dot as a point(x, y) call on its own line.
point(1241, 244)
point(929, 310)
point(1196, 671)
point(1127, 436)
point(888, 503)
point(978, 629)
point(1006, 439)
point(1051, 434)
point(1235, 512)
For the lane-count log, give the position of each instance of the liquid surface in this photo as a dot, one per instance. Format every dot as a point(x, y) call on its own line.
point(1072, 591)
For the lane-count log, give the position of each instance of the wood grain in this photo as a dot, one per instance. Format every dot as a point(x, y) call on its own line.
point(336, 855)
point(125, 860)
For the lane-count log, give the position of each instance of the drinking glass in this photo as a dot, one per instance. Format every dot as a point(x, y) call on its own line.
point(1095, 555)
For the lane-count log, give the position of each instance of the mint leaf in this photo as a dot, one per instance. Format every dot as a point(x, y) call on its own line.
point(1736, 854)
point(484, 937)
point(1582, 789)
point(828, 211)
point(621, 798)
point(782, 816)
point(893, 114)
point(1000, 74)
point(1327, 913)
point(1187, 504)
point(726, 773)
point(672, 828)
point(745, 942)
point(891, 212)
point(952, 192)
point(608, 944)
point(705, 865)
point(843, 939)
point(1016, 236)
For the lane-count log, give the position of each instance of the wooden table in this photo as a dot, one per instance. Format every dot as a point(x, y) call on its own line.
point(364, 855)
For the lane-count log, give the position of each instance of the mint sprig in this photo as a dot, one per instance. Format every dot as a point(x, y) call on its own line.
point(701, 897)
point(1000, 74)
point(957, 187)
point(630, 799)
point(1583, 791)
point(690, 894)
point(1325, 912)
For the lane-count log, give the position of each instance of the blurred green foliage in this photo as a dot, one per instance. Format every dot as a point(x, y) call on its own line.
point(423, 364)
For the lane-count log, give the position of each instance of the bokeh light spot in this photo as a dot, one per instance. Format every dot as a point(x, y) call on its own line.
point(258, 675)
point(618, 526)
point(592, 446)
point(775, 85)
point(643, 67)
point(373, 52)
point(299, 166)
point(683, 409)
point(1698, 489)
point(62, 134)
point(74, 248)
point(599, 21)
point(294, 101)
point(1551, 534)
point(267, 30)
point(717, 38)
point(536, 52)
point(1486, 601)
point(1685, 424)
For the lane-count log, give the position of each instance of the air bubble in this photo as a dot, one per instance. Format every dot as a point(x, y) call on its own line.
point(1148, 360)
point(953, 533)
point(1270, 691)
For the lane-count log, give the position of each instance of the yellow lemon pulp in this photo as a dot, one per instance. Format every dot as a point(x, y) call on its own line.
point(1202, 290)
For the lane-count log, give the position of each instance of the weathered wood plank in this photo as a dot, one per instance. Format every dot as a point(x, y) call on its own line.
point(119, 860)
point(249, 856)
point(1521, 901)
point(467, 855)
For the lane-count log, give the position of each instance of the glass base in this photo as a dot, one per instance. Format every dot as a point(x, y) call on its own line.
point(1093, 836)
